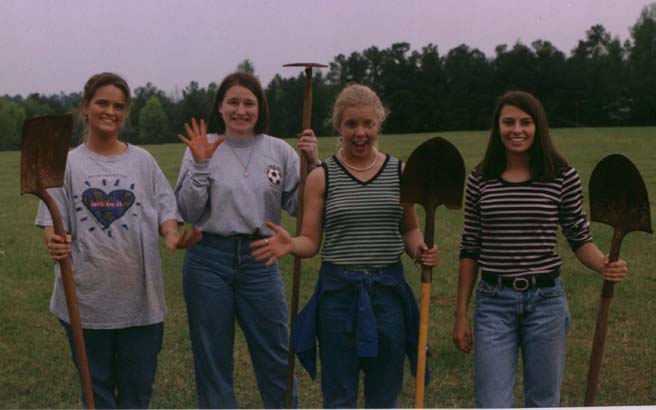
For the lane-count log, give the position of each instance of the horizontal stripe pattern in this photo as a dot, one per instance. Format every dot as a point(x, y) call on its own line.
point(362, 219)
point(511, 229)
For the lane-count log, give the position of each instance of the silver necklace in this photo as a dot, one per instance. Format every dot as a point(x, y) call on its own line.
point(340, 155)
point(245, 167)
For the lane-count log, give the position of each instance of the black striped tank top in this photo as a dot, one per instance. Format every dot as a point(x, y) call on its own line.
point(362, 220)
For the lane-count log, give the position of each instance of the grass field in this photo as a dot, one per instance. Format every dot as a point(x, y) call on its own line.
point(35, 366)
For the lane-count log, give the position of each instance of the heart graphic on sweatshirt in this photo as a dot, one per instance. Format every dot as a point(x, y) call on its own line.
point(107, 208)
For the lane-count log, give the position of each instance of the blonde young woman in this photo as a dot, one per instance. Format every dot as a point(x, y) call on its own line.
point(362, 313)
point(115, 203)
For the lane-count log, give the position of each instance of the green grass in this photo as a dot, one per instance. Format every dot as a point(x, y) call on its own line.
point(35, 366)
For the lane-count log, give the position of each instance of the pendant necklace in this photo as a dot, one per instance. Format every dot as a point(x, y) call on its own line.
point(340, 155)
point(245, 167)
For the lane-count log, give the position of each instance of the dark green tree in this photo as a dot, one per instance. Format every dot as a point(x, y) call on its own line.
point(153, 124)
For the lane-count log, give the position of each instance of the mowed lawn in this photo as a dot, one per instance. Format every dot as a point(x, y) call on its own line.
point(35, 366)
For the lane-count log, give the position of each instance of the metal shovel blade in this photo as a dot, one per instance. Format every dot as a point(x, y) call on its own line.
point(43, 152)
point(618, 196)
point(434, 175)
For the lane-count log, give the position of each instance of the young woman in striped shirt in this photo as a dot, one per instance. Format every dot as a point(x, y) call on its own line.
point(363, 313)
point(515, 200)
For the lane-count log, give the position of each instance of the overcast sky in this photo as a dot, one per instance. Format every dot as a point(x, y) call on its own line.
point(55, 45)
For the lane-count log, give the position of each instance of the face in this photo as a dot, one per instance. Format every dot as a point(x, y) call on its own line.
point(239, 110)
point(517, 130)
point(105, 112)
point(359, 130)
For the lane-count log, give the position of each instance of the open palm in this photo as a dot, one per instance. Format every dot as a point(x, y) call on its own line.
point(274, 247)
point(199, 145)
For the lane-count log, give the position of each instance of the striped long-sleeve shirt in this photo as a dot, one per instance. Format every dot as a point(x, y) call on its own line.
point(510, 228)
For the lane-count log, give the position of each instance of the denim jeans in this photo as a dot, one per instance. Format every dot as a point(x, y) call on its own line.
point(122, 364)
point(340, 364)
point(506, 321)
point(223, 282)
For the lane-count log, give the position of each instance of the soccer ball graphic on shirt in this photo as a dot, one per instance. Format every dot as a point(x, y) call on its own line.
point(274, 174)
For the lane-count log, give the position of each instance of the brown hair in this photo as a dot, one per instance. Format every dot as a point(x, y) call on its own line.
point(216, 123)
point(97, 81)
point(545, 161)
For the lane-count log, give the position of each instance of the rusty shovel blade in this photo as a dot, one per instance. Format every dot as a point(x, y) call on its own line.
point(434, 175)
point(43, 152)
point(618, 196)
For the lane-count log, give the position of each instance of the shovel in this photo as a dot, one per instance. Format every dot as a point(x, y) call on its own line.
point(43, 162)
point(434, 175)
point(618, 198)
point(296, 278)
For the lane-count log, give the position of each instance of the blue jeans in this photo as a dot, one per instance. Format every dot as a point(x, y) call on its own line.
point(223, 282)
point(122, 364)
point(506, 321)
point(340, 364)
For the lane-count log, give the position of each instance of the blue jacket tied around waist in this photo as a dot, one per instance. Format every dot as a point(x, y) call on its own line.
point(363, 321)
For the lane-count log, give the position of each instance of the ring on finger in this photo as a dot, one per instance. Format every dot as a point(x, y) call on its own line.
point(266, 241)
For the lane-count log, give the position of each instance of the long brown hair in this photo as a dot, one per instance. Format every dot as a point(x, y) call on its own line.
point(216, 123)
point(545, 161)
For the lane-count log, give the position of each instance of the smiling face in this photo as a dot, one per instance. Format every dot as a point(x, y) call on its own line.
point(359, 128)
point(239, 110)
point(106, 112)
point(516, 130)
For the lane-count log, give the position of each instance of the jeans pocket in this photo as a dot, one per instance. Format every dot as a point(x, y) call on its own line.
point(551, 291)
point(484, 289)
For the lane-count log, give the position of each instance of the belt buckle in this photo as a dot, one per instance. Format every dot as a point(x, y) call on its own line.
point(520, 284)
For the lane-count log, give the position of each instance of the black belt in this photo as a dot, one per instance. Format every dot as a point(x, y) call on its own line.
point(524, 282)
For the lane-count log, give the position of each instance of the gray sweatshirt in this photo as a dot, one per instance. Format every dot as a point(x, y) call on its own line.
point(218, 197)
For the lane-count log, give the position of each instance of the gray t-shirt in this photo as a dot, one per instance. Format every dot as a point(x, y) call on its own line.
point(113, 206)
point(216, 196)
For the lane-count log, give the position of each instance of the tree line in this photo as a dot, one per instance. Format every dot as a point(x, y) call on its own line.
point(602, 82)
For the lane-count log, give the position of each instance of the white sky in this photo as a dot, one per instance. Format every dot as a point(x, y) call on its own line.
point(49, 46)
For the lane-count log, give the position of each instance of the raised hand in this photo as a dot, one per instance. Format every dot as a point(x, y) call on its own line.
point(201, 148)
point(273, 248)
point(308, 143)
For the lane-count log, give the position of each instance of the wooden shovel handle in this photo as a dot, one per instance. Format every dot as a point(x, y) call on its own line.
point(72, 305)
point(601, 328)
point(420, 381)
point(296, 277)
point(426, 280)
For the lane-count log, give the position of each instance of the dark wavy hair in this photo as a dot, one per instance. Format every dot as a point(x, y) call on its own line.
point(545, 162)
point(216, 123)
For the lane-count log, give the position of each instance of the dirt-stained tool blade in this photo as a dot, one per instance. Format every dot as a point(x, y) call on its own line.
point(43, 152)
point(44, 149)
point(296, 278)
point(618, 197)
point(434, 175)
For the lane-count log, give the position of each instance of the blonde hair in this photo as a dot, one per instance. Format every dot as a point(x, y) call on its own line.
point(353, 95)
